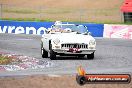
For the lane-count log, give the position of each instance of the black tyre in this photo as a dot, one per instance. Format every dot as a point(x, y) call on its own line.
point(90, 56)
point(44, 53)
point(80, 56)
point(81, 80)
point(52, 54)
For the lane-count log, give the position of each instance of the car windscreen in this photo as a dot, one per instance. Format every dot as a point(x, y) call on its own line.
point(74, 28)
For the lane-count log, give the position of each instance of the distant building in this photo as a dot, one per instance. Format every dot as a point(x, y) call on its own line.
point(126, 9)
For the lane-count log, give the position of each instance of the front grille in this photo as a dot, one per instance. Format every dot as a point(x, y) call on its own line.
point(80, 46)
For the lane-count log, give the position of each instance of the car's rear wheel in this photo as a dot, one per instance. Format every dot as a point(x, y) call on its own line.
point(52, 54)
point(90, 56)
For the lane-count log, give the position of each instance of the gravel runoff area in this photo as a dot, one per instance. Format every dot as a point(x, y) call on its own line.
point(52, 81)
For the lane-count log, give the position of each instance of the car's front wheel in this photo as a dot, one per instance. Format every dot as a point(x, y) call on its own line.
point(81, 56)
point(44, 53)
point(90, 56)
point(52, 54)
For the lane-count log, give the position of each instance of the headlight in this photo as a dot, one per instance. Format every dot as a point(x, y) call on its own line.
point(56, 41)
point(92, 42)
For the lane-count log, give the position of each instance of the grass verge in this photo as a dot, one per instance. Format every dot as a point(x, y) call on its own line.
point(50, 20)
point(4, 60)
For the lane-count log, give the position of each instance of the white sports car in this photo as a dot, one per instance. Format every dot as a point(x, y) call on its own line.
point(67, 39)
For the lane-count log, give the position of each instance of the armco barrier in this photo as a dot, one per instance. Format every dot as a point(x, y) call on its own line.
point(117, 31)
point(39, 28)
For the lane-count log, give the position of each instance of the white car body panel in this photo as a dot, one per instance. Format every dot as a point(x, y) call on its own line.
point(67, 41)
point(66, 38)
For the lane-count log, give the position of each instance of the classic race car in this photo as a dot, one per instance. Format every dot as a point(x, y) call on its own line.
point(67, 39)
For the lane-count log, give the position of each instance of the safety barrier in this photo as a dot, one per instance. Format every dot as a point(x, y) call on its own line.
point(19, 27)
point(38, 28)
point(117, 31)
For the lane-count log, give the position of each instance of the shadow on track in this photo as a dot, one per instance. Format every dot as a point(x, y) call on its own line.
point(71, 58)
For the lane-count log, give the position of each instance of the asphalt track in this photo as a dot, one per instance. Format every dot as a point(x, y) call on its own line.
point(112, 56)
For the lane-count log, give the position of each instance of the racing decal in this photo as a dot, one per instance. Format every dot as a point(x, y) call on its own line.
point(117, 31)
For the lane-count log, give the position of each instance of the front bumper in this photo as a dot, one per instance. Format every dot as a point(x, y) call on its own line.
point(81, 51)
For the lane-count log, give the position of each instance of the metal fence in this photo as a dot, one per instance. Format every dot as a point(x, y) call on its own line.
point(45, 13)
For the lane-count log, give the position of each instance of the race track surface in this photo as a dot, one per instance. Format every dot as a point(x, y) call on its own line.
point(112, 56)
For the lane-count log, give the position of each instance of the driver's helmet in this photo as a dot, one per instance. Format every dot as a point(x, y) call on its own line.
point(58, 22)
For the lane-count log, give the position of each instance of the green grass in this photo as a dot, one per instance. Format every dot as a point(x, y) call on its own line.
point(107, 16)
point(101, 11)
point(22, 19)
point(57, 11)
point(20, 11)
point(63, 14)
point(4, 60)
point(31, 11)
point(50, 20)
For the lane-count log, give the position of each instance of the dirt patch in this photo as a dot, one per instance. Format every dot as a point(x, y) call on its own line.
point(74, 4)
point(66, 10)
point(51, 82)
